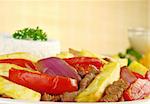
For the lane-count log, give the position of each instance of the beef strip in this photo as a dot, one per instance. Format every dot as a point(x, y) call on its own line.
point(81, 72)
point(88, 78)
point(70, 96)
point(47, 97)
point(114, 92)
point(127, 76)
point(66, 97)
point(109, 98)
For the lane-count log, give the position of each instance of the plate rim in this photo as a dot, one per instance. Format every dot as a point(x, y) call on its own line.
point(15, 101)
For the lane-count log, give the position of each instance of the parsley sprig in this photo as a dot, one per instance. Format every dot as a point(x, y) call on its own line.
point(36, 34)
point(131, 55)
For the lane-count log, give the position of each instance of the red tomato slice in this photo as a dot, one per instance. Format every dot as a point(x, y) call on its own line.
point(20, 62)
point(84, 62)
point(126, 96)
point(138, 75)
point(43, 83)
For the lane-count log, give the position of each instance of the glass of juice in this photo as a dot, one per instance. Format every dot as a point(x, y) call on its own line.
point(140, 41)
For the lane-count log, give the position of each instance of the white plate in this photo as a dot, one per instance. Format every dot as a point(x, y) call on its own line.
point(56, 45)
point(12, 101)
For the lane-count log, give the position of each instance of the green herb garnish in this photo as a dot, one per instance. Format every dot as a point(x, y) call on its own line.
point(30, 34)
point(131, 55)
point(134, 53)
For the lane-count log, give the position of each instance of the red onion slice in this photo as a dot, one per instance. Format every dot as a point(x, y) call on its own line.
point(56, 66)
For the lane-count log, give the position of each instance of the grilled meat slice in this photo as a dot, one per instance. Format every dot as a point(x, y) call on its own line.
point(127, 75)
point(109, 98)
point(83, 84)
point(88, 78)
point(69, 96)
point(114, 92)
point(47, 97)
point(81, 72)
point(66, 97)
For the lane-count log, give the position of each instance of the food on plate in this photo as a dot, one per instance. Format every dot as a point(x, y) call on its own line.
point(43, 83)
point(148, 75)
point(138, 90)
point(5, 67)
point(96, 88)
point(114, 91)
point(127, 75)
point(82, 63)
point(82, 53)
point(16, 91)
point(20, 62)
point(20, 55)
point(65, 54)
point(131, 55)
point(22, 59)
point(73, 76)
point(122, 61)
point(138, 68)
point(56, 66)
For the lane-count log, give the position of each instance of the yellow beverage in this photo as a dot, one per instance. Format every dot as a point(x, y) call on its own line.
point(146, 60)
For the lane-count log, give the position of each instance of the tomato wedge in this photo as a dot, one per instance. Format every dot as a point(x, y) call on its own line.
point(20, 62)
point(138, 90)
point(84, 62)
point(126, 96)
point(137, 75)
point(43, 83)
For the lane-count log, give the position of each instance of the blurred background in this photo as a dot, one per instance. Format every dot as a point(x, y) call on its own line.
point(97, 25)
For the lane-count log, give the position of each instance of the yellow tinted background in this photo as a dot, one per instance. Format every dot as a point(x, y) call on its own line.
point(97, 25)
